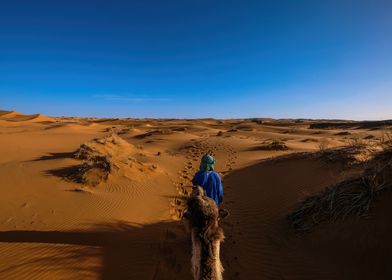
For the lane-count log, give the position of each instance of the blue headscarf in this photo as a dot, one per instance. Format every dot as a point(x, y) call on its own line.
point(207, 163)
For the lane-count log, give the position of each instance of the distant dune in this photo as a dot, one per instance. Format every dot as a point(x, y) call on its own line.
point(90, 198)
point(13, 116)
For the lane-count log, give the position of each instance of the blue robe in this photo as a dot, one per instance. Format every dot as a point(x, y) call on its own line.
point(211, 182)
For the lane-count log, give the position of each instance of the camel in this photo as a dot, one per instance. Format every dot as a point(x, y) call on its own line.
point(203, 217)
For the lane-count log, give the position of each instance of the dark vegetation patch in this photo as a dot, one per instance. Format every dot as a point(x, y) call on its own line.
point(100, 157)
point(94, 170)
point(273, 145)
point(354, 197)
point(343, 133)
point(350, 155)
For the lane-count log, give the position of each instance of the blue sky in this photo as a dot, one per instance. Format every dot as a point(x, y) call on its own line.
point(196, 58)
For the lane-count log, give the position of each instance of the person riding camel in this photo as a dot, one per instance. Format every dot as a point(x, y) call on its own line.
point(208, 179)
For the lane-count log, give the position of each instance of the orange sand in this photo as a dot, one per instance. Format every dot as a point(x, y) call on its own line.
point(128, 226)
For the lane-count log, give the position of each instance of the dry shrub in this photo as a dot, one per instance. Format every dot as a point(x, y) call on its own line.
point(323, 145)
point(278, 144)
point(93, 171)
point(350, 198)
point(355, 142)
point(257, 121)
point(103, 156)
point(386, 138)
point(274, 145)
point(84, 152)
point(350, 155)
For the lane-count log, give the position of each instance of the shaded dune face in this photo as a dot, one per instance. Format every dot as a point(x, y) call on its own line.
point(206, 235)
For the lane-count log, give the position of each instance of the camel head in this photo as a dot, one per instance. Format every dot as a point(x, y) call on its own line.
point(203, 210)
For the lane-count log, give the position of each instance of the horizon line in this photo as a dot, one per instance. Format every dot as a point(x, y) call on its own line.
point(205, 118)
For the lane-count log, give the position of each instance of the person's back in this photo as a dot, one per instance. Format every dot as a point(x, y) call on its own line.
point(209, 180)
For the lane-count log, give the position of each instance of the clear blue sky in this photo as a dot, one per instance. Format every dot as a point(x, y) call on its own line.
point(196, 58)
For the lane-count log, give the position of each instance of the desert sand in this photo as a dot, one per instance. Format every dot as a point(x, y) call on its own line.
point(90, 198)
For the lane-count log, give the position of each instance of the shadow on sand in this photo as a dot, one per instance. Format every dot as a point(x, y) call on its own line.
point(52, 156)
point(126, 251)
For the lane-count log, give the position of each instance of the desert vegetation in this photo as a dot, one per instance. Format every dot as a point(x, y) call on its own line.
point(353, 197)
point(274, 145)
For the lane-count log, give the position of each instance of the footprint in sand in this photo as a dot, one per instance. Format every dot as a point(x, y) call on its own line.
point(26, 204)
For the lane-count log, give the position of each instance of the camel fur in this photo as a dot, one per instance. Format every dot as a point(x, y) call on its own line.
point(206, 234)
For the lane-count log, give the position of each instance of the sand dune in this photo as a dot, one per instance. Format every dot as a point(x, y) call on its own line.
point(9, 114)
point(91, 198)
point(13, 116)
